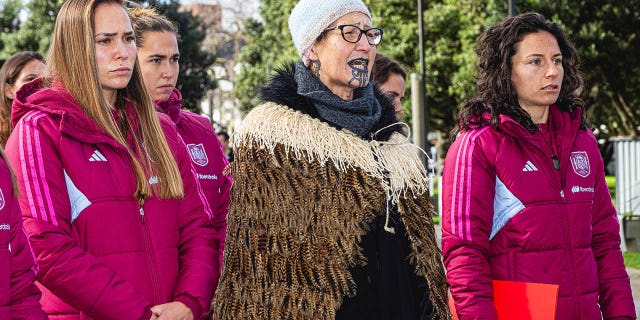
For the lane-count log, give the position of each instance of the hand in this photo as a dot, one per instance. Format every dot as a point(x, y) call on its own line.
point(171, 311)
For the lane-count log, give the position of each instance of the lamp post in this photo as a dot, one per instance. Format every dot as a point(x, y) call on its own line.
point(421, 37)
point(420, 112)
point(512, 8)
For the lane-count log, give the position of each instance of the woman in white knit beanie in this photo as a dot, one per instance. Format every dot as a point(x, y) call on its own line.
point(330, 216)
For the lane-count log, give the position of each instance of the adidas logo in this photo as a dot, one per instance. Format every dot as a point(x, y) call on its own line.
point(529, 167)
point(97, 156)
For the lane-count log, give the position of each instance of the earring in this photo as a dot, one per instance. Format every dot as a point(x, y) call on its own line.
point(315, 67)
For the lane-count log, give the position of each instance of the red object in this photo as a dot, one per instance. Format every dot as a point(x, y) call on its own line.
point(522, 300)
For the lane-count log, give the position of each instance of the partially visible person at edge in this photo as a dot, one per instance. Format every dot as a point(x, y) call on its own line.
point(159, 56)
point(223, 136)
point(19, 295)
point(115, 215)
point(333, 218)
point(524, 194)
point(391, 78)
point(19, 69)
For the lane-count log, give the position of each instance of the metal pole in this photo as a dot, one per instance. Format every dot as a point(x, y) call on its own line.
point(421, 38)
point(422, 80)
point(512, 8)
point(417, 113)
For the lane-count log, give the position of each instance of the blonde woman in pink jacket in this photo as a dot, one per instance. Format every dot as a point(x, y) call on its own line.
point(110, 200)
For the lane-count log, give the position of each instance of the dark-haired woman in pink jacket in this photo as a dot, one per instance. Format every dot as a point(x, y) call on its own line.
point(524, 196)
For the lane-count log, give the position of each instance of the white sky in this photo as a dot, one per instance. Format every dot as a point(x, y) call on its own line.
point(248, 8)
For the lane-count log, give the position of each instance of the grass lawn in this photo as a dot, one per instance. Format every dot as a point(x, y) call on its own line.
point(611, 183)
point(632, 259)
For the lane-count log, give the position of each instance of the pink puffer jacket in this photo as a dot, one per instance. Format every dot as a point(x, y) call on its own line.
point(101, 254)
point(508, 214)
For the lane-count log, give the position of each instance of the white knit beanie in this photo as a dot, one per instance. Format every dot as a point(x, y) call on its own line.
point(309, 18)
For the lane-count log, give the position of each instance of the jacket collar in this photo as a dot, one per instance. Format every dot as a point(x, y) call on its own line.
point(172, 106)
point(566, 125)
point(59, 104)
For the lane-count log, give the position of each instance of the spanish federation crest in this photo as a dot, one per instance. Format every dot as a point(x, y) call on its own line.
point(198, 156)
point(1, 200)
point(580, 163)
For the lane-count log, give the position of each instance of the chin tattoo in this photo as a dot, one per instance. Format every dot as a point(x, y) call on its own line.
point(359, 72)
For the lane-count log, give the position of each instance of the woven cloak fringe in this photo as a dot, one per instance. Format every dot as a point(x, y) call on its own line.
point(304, 194)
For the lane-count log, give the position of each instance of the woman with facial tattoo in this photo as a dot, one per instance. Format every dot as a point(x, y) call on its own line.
point(330, 216)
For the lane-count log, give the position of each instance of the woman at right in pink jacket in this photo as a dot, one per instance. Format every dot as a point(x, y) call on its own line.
point(524, 195)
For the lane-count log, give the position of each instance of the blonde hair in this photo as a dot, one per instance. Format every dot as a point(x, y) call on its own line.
point(71, 61)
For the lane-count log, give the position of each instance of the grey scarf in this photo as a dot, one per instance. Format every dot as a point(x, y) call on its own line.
point(358, 115)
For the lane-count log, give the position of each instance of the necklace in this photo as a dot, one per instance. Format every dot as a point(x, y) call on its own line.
point(549, 142)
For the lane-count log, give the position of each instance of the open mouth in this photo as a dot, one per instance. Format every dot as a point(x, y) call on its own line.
point(359, 63)
point(359, 72)
point(550, 87)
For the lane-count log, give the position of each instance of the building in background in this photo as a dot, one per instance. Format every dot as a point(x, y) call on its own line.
point(223, 19)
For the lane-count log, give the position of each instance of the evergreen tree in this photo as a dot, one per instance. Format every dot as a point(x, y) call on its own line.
point(450, 30)
point(605, 34)
point(35, 33)
point(9, 22)
point(269, 46)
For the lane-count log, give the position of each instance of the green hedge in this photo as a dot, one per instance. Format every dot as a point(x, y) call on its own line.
point(611, 183)
point(632, 259)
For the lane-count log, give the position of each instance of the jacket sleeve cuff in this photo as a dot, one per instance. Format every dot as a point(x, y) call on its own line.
point(146, 315)
point(191, 303)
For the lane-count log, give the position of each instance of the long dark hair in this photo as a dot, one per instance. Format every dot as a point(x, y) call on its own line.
point(495, 91)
